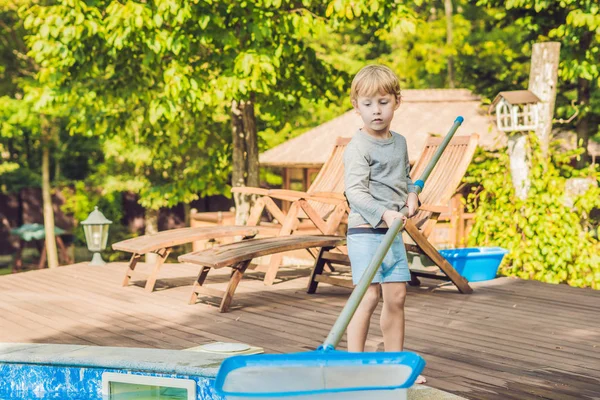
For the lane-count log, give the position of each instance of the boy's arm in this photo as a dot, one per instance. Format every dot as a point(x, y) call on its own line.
point(356, 179)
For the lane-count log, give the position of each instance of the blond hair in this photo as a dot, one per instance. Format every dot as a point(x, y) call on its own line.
point(374, 79)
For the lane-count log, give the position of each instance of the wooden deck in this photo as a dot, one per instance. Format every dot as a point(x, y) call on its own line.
point(510, 339)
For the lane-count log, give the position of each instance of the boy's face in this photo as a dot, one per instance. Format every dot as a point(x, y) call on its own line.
point(377, 112)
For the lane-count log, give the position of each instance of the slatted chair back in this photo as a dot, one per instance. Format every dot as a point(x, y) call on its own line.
point(330, 178)
point(445, 177)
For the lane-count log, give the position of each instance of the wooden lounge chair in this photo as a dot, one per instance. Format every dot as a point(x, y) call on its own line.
point(441, 185)
point(439, 189)
point(322, 207)
point(239, 255)
point(163, 242)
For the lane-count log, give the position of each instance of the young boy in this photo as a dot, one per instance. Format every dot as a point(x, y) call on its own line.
point(378, 186)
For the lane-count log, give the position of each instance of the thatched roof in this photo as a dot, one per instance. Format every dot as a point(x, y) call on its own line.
point(422, 113)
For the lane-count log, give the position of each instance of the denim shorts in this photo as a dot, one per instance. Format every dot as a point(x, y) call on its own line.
point(362, 245)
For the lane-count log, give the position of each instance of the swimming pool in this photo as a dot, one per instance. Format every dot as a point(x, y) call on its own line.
point(72, 372)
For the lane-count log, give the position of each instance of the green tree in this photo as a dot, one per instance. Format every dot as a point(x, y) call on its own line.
point(15, 67)
point(576, 25)
point(175, 87)
point(30, 114)
point(485, 57)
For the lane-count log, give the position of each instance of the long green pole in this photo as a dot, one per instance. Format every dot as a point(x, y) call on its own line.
point(341, 324)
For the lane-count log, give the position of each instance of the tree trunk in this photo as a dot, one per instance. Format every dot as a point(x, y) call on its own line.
point(251, 135)
point(583, 99)
point(56, 169)
point(151, 228)
point(245, 155)
point(519, 167)
point(583, 123)
point(51, 251)
point(543, 77)
point(449, 31)
point(188, 222)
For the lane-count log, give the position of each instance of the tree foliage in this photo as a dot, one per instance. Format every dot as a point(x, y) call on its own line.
point(550, 235)
point(15, 69)
point(139, 94)
point(576, 25)
point(156, 79)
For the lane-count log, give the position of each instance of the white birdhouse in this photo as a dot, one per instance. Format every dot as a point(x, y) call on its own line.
point(517, 110)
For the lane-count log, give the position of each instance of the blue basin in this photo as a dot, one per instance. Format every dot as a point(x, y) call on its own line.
point(475, 263)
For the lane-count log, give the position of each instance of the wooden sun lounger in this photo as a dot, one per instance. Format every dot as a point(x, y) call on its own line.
point(323, 205)
point(440, 187)
point(442, 183)
point(239, 255)
point(162, 243)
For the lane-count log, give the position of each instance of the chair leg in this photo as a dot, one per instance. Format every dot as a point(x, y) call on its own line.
point(129, 273)
point(62, 250)
point(256, 213)
point(317, 270)
point(42, 263)
point(334, 220)
point(274, 264)
point(287, 228)
point(461, 283)
point(197, 283)
point(414, 280)
point(233, 283)
point(274, 209)
point(19, 257)
point(151, 282)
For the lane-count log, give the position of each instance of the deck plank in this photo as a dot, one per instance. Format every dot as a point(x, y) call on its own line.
point(510, 339)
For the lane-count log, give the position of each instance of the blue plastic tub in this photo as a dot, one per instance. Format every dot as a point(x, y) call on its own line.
point(475, 263)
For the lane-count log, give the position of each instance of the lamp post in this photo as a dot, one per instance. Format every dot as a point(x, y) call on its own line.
point(96, 235)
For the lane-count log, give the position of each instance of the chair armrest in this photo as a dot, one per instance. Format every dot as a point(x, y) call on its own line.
point(285, 194)
point(331, 195)
point(327, 197)
point(434, 209)
point(250, 190)
point(322, 197)
point(282, 194)
point(292, 195)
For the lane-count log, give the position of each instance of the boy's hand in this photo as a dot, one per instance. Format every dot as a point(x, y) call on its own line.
point(389, 216)
point(413, 204)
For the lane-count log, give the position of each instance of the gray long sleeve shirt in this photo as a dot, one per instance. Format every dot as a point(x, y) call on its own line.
point(376, 176)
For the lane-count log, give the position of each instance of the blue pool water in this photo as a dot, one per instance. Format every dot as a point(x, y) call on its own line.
point(66, 372)
point(43, 382)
